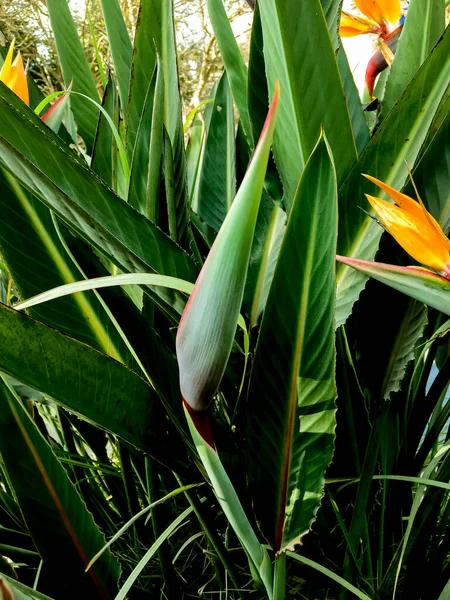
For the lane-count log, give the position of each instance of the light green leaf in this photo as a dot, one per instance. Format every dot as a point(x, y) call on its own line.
point(311, 86)
point(208, 325)
point(233, 61)
point(217, 177)
point(291, 409)
point(42, 263)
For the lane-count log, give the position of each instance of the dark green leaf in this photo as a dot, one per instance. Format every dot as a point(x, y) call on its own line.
point(120, 45)
point(217, 177)
point(292, 390)
point(65, 184)
point(75, 67)
point(63, 530)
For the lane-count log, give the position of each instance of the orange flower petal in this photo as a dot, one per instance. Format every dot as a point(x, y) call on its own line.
point(417, 209)
point(414, 232)
point(380, 10)
point(352, 25)
point(13, 75)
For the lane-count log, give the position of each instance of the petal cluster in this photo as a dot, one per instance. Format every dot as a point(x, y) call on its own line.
point(414, 228)
point(379, 16)
point(13, 74)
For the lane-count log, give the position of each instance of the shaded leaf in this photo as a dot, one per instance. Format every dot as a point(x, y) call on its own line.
point(62, 528)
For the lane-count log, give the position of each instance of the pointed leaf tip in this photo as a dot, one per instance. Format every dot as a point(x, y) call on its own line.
point(208, 325)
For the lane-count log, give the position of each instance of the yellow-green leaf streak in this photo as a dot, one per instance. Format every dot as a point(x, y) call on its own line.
point(97, 327)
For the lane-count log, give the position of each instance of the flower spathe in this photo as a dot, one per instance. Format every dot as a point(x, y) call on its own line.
point(380, 15)
point(13, 74)
point(414, 228)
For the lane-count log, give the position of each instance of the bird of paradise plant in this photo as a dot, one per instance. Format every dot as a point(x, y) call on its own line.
point(294, 473)
point(14, 76)
point(421, 236)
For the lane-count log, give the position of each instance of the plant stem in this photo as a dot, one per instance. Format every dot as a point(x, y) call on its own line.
point(279, 578)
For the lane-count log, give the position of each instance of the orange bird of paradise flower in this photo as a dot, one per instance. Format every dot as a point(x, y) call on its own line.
point(379, 17)
point(13, 74)
point(414, 228)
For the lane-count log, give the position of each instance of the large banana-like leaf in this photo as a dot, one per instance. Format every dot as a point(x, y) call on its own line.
point(120, 45)
point(424, 25)
point(60, 179)
point(75, 67)
point(63, 530)
point(79, 378)
point(217, 177)
point(292, 390)
point(395, 145)
point(298, 51)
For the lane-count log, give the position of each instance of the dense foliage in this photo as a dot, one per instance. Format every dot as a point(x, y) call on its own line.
point(306, 455)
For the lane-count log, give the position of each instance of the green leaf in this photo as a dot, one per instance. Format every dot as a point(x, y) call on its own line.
point(311, 86)
point(208, 325)
point(336, 578)
point(82, 379)
point(142, 69)
point(416, 282)
point(54, 115)
point(398, 140)
point(258, 94)
point(145, 180)
point(42, 263)
point(82, 200)
point(424, 25)
point(231, 505)
point(233, 61)
point(332, 11)
point(155, 43)
point(75, 67)
point(359, 123)
point(120, 45)
point(432, 176)
point(193, 158)
point(291, 410)
point(103, 158)
point(217, 177)
point(23, 592)
point(269, 232)
point(54, 513)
